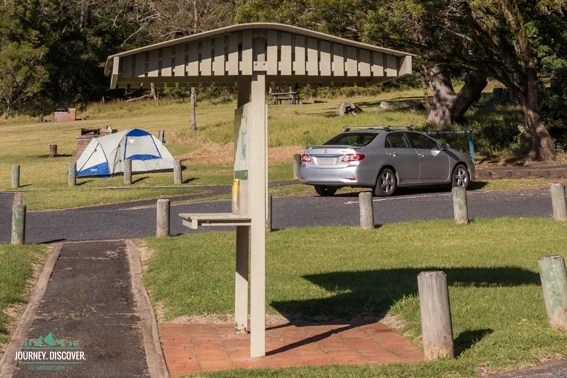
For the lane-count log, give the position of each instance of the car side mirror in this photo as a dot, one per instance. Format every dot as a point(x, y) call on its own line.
point(444, 146)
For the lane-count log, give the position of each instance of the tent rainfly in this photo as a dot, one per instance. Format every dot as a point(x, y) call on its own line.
point(103, 156)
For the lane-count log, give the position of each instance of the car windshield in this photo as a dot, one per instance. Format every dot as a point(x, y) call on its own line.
point(352, 139)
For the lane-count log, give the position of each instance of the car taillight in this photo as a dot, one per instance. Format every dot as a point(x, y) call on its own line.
point(306, 158)
point(353, 157)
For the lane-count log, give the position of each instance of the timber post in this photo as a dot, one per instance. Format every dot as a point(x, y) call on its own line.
point(177, 175)
point(162, 218)
point(554, 284)
point(435, 310)
point(296, 165)
point(72, 174)
point(366, 210)
point(558, 202)
point(127, 171)
point(15, 176)
point(18, 224)
point(460, 207)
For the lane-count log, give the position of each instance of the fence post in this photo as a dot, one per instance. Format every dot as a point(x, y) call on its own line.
point(435, 310)
point(366, 210)
point(554, 284)
point(72, 174)
point(18, 224)
point(127, 171)
point(161, 136)
point(296, 165)
point(460, 208)
point(162, 218)
point(15, 176)
point(177, 175)
point(558, 202)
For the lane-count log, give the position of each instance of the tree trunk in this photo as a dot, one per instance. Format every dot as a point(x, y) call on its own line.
point(193, 109)
point(542, 146)
point(449, 107)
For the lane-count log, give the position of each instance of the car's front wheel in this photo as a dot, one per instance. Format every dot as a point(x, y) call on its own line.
point(325, 191)
point(386, 183)
point(460, 177)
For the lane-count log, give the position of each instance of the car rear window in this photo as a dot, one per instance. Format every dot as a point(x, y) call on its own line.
point(352, 139)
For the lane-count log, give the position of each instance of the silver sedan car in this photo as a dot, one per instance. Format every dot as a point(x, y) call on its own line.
point(384, 159)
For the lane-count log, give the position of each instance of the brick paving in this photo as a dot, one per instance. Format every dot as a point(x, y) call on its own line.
point(195, 348)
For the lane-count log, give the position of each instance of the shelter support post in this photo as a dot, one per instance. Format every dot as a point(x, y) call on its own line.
point(257, 209)
point(241, 279)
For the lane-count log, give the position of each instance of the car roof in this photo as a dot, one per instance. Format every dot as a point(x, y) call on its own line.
point(376, 129)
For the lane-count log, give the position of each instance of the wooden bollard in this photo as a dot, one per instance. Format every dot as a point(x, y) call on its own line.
point(296, 165)
point(127, 171)
point(52, 150)
point(177, 172)
point(366, 210)
point(15, 176)
point(558, 202)
point(162, 218)
point(72, 174)
point(460, 207)
point(18, 199)
point(554, 284)
point(161, 136)
point(18, 224)
point(435, 310)
point(269, 214)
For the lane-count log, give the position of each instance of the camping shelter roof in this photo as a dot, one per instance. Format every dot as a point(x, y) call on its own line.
point(287, 55)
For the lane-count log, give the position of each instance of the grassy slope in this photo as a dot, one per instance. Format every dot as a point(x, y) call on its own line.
point(16, 267)
point(498, 313)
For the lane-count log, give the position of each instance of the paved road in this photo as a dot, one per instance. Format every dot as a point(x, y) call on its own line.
point(138, 219)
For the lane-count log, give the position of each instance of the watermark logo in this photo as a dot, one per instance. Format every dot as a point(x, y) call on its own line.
point(48, 353)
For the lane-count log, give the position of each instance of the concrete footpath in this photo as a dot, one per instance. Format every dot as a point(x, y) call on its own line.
point(88, 317)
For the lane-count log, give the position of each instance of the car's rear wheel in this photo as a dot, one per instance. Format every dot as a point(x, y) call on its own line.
point(386, 183)
point(325, 191)
point(460, 177)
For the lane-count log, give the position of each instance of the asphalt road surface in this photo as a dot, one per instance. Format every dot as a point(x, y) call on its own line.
point(131, 220)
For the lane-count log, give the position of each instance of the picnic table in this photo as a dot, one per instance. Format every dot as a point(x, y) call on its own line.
point(276, 98)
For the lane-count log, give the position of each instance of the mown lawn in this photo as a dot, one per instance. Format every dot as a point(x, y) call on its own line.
point(499, 319)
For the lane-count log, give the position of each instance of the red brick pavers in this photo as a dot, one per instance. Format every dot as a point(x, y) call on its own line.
point(193, 348)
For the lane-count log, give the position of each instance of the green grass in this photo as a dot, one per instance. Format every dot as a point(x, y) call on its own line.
point(16, 267)
point(499, 319)
point(26, 142)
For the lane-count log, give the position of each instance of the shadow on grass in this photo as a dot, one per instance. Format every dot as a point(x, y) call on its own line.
point(138, 179)
point(400, 192)
point(365, 297)
point(467, 339)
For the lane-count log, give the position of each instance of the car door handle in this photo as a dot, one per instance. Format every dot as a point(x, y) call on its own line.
point(393, 154)
point(421, 155)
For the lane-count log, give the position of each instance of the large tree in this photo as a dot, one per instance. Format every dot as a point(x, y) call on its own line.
point(494, 37)
point(488, 37)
